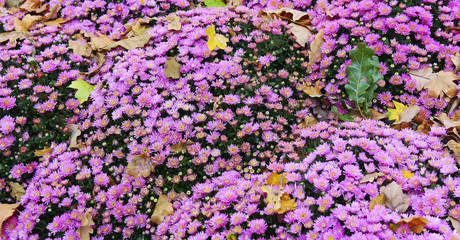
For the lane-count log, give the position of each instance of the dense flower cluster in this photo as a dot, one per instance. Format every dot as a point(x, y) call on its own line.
point(332, 200)
point(210, 136)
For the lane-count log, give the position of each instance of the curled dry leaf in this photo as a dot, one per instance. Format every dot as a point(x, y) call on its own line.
point(395, 199)
point(234, 3)
point(51, 14)
point(181, 147)
point(137, 27)
point(408, 114)
point(172, 68)
point(447, 122)
point(162, 209)
point(6, 211)
point(41, 153)
point(376, 115)
point(140, 166)
point(379, 199)
point(309, 121)
point(315, 49)
point(422, 76)
point(130, 43)
point(98, 40)
point(416, 224)
point(16, 190)
point(280, 201)
point(74, 133)
point(370, 177)
point(174, 22)
point(33, 6)
point(85, 229)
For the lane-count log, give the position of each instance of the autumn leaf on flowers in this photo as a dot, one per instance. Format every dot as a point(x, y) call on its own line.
point(416, 224)
point(214, 3)
point(280, 200)
point(140, 166)
point(33, 6)
point(25, 23)
point(162, 209)
point(16, 190)
point(174, 22)
point(172, 68)
point(455, 223)
point(42, 152)
point(315, 49)
point(181, 146)
point(408, 114)
point(393, 114)
point(85, 229)
point(309, 121)
point(130, 43)
point(447, 122)
point(370, 177)
point(395, 199)
point(84, 89)
point(378, 200)
point(455, 148)
point(436, 83)
point(215, 40)
point(74, 133)
point(312, 91)
point(13, 36)
point(6, 211)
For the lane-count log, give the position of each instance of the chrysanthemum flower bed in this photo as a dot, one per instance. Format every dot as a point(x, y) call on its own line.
point(179, 141)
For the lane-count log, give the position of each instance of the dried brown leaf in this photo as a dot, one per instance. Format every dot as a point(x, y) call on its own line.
point(408, 114)
point(455, 223)
point(33, 6)
point(447, 122)
point(13, 3)
point(312, 91)
point(6, 211)
point(85, 229)
point(130, 43)
point(99, 40)
point(51, 14)
point(234, 3)
point(422, 76)
point(309, 121)
point(315, 49)
point(455, 148)
point(25, 23)
point(41, 153)
point(456, 60)
point(56, 22)
point(174, 22)
point(395, 199)
point(162, 209)
point(79, 48)
point(16, 190)
point(376, 115)
point(13, 36)
point(416, 224)
point(281, 201)
point(74, 133)
point(442, 83)
point(370, 177)
point(379, 199)
point(142, 165)
point(172, 68)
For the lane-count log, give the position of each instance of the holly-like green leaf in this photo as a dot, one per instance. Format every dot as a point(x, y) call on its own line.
point(84, 89)
point(362, 75)
point(214, 3)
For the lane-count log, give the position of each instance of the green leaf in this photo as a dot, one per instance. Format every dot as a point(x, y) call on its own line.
point(84, 89)
point(343, 117)
point(214, 3)
point(362, 75)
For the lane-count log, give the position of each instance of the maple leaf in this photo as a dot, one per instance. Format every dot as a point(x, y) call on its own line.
point(309, 121)
point(395, 199)
point(162, 209)
point(6, 211)
point(312, 91)
point(280, 200)
point(85, 229)
point(13, 36)
point(215, 40)
point(84, 89)
point(378, 200)
point(435, 83)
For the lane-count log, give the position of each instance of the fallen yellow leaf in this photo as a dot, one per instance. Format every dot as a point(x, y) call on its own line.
point(379, 199)
point(416, 224)
point(41, 153)
point(16, 190)
point(215, 40)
